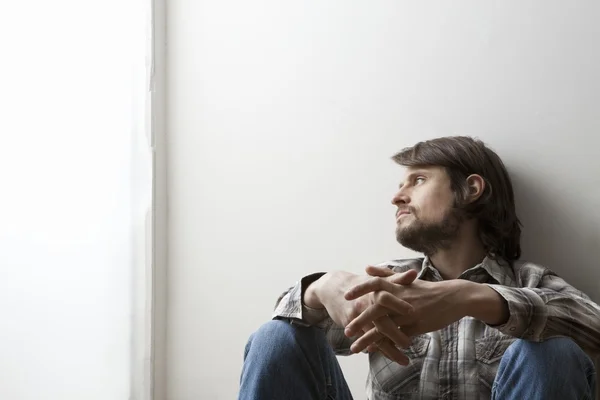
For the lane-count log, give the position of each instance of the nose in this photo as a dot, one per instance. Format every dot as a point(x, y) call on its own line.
point(400, 198)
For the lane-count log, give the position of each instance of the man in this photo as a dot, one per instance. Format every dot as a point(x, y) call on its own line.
point(467, 321)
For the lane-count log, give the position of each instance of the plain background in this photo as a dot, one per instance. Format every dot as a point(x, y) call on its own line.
point(281, 120)
point(75, 191)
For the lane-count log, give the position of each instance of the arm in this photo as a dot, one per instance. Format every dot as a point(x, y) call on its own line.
point(291, 306)
point(540, 307)
point(328, 308)
point(485, 304)
point(546, 307)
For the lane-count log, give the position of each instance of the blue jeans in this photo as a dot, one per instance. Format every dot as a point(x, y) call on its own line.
point(284, 361)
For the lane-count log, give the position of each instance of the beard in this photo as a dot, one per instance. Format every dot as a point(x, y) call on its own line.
point(430, 237)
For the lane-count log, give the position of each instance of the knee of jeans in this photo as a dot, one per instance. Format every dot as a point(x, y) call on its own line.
point(248, 344)
point(560, 349)
point(273, 334)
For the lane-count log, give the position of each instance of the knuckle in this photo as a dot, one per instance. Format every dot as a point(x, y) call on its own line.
point(376, 281)
point(385, 297)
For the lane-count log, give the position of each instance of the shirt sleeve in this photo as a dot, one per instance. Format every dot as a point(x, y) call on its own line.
point(290, 304)
point(547, 307)
point(291, 307)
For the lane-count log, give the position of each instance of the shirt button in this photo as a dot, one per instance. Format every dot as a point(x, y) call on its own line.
point(513, 329)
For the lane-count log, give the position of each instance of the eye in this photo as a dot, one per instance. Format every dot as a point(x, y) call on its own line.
point(419, 180)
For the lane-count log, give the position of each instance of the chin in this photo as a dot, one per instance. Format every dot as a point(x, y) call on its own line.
point(403, 224)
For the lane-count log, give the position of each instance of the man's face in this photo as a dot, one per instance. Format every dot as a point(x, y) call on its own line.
point(426, 219)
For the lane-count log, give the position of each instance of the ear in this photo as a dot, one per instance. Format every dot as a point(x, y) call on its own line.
point(476, 185)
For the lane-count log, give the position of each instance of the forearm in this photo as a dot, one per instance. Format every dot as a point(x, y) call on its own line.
point(293, 306)
point(323, 292)
point(485, 304)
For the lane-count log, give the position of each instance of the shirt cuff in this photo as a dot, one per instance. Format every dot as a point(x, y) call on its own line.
point(527, 313)
point(293, 308)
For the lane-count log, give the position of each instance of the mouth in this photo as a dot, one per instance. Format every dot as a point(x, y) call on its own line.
point(401, 214)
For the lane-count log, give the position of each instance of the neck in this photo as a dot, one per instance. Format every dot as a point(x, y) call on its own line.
point(465, 252)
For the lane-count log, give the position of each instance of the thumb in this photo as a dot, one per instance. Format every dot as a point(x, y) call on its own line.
point(405, 278)
point(382, 272)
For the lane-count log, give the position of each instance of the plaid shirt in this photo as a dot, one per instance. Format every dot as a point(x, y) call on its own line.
point(461, 360)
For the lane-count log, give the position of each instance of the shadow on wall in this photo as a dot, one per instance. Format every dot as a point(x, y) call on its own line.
point(560, 231)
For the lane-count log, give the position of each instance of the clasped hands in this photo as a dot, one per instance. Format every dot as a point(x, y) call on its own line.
point(400, 307)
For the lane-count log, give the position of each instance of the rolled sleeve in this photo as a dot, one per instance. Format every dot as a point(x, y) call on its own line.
point(290, 305)
point(527, 313)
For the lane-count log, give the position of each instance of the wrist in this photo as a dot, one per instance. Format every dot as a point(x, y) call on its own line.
point(311, 297)
point(463, 296)
point(485, 304)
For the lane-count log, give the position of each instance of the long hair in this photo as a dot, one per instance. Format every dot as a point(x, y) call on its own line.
point(498, 225)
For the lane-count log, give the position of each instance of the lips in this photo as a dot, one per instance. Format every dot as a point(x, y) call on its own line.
point(399, 214)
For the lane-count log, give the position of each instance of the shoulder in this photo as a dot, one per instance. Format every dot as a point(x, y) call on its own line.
point(403, 265)
point(527, 271)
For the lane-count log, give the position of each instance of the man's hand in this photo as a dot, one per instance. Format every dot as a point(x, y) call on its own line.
point(436, 305)
point(328, 292)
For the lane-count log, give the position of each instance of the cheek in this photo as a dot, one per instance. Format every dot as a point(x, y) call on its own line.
point(434, 207)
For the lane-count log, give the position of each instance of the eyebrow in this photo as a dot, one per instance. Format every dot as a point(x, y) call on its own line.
point(412, 175)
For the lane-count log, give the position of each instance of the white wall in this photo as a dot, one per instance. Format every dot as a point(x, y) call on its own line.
point(281, 120)
point(75, 177)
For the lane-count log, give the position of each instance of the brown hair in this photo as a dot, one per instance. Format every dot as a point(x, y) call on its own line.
point(461, 156)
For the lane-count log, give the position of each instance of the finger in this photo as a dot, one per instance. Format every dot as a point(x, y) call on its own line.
point(395, 304)
point(361, 332)
point(365, 318)
point(388, 349)
point(382, 272)
point(413, 330)
point(372, 285)
point(383, 346)
point(388, 328)
point(419, 328)
point(387, 304)
point(373, 347)
point(370, 337)
point(405, 278)
point(413, 326)
point(384, 327)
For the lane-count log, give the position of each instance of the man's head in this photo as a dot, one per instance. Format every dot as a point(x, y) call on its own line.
point(452, 182)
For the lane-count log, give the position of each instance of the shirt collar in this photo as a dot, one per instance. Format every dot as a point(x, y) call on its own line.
point(499, 270)
point(428, 270)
